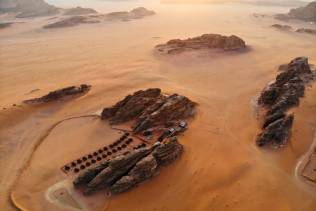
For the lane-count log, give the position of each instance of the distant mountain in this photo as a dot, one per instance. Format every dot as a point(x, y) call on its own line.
point(293, 3)
point(28, 8)
point(305, 13)
point(256, 2)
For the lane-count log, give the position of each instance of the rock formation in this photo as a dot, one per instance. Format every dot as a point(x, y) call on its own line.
point(28, 8)
point(89, 16)
point(60, 94)
point(5, 25)
point(278, 97)
point(307, 13)
point(150, 109)
point(128, 170)
point(206, 41)
point(153, 115)
point(136, 13)
point(306, 30)
point(282, 27)
point(79, 11)
point(71, 21)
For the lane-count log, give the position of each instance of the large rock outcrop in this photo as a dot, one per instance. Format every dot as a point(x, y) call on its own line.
point(60, 94)
point(278, 97)
point(128, 170)
point(206, 41)
point(307, 13)
point(157, 118)
point(150, 109)
point(28, 8)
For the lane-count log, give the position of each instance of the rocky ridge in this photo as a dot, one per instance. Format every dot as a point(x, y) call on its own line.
point(60, 94)
point(126, 171)
point(80, 16)
point(290, 29)
point(280, 96)
point(206, 41)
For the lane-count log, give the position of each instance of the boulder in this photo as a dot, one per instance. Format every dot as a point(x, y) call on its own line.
point(206, 41)
point(60, 94)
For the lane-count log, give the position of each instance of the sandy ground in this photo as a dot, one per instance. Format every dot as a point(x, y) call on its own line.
point(221, 168)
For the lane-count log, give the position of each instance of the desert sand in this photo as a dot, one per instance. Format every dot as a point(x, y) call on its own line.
point(221, 167)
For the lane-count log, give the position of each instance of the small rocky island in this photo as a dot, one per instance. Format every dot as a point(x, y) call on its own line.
point(278, 97)
point(153, 117)
point(307, 13)
point(206, 41)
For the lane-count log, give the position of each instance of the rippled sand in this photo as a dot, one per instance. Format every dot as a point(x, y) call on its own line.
point(221, 168)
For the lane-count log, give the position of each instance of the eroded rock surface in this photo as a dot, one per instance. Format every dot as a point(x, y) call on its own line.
point(150, 109)
point(128, 170)
point(206, 41)
point(60, 94)
point(307, 13)
point(278, 97)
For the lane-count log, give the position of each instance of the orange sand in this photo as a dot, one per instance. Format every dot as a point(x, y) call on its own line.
point(221, 168)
